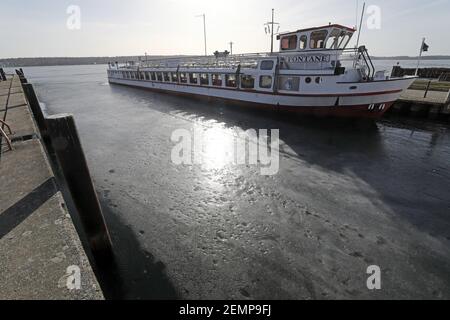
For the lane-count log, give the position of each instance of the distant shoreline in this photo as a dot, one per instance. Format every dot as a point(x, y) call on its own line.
point(72, 61)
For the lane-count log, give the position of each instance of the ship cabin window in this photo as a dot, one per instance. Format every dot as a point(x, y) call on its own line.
point(174, 77)
point(217, 80)
point(183, 77)
point(159, 76)
point(289, 42)
point(193, 78)
point(266, 65)
point(265, 82)
point(166, 76)
point(288, 83)
point(230, 80)
point(142, 75)
point(153, 74)
point(204, 79)
point(303, 42)
point(333, 39)
point(318, 39)
point(345, 40)
point(247, 82)
point(147, 76)
point(338, 39)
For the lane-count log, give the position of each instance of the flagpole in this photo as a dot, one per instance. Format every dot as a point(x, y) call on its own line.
point(420, 57)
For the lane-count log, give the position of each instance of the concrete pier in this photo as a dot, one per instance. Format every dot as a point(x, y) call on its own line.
point(41, 255)
point(420, 103)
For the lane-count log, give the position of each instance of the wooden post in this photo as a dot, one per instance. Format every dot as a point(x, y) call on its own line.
point(2, 74)
point(35, 107)
point(21, 76)
point(427, 89)
point(70, 155)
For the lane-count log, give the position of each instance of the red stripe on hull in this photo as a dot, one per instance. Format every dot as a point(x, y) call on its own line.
point(354, 111)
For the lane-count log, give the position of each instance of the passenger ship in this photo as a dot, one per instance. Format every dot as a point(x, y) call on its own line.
point(314, 72)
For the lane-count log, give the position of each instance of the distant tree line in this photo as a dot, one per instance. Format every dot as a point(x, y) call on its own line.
point(64, 61)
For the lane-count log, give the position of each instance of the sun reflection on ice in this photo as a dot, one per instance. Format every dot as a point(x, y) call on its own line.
point(218, 148)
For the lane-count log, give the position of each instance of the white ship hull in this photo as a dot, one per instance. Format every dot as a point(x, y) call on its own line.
point(371, 99)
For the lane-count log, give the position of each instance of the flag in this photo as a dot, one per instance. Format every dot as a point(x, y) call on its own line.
point(425, 47)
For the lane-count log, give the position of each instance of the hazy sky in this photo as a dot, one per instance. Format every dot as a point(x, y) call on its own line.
point(117, 27)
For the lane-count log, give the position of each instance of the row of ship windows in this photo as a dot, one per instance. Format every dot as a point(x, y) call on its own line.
point(218, 80)
point(288, 83)
point(338, 39)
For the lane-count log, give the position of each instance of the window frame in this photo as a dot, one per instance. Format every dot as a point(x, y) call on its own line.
point(227, 80)
point(202, 78)
point(266, 62)
point(317, 40)
point(183, 78)
point(265, 76)
point(296, 83)
point(303, 36)
point(174, 77)
point(191, 77)
point(244, 78)
point(292, 45)
point(218, 82)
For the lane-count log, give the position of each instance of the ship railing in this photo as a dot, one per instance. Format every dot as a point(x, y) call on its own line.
point(361, 59)
point(231, 61)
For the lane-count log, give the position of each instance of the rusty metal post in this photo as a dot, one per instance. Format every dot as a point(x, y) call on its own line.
point(4, 124)
point(427, 89)
point(70, 155)
point(8, 141)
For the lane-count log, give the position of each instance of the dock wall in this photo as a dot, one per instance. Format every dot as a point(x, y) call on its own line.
point(41, 254)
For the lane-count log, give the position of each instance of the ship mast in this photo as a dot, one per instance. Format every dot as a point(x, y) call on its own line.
point(271, 29)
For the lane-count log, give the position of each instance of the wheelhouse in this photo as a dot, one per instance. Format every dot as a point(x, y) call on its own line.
point(331, 37)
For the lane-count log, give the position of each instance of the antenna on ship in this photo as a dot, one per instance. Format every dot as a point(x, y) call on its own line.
point(360, 24)
point(204, 30)
point(270, 28)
